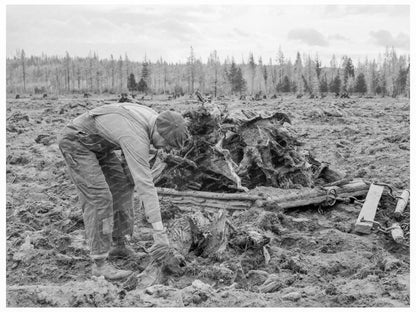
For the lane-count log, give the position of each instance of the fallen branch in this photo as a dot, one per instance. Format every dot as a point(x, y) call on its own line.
point(177, 160)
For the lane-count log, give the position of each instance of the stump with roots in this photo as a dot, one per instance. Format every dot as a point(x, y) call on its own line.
point(238, 152)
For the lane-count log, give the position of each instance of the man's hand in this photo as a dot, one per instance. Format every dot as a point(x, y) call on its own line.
point(159, 234)
point(160, 237)
point(162, 252)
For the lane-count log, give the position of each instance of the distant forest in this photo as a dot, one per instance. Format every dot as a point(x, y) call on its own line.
point(388, 76)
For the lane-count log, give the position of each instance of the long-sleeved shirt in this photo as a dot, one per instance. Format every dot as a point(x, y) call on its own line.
point(130, 127)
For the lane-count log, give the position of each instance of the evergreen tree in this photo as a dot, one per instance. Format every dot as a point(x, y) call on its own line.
point(350, 85)
point(348, 75)
point(400, 85)
point(335, 85)
point(142, 86)
point(235, 78)
point(360, 84)
point(286, 85)
point(323, 84)
point(407, 88)
point(372, 83)
point(381, 85)
point(131, 83)
point(145, 74)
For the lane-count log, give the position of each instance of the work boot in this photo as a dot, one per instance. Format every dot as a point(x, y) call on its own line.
point(121, 250)
point(102, 268)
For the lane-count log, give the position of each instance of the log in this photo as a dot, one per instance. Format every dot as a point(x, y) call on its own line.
point(401, 204)
point(397, 233)
point(212, 203)
point(209, 195)
point(285, 199)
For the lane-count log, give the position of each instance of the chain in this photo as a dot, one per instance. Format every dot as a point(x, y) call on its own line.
point(389, 187)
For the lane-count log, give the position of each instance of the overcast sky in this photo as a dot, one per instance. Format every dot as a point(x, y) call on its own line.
point(169, 31)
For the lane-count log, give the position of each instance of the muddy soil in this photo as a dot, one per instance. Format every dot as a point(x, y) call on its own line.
point(315, 259)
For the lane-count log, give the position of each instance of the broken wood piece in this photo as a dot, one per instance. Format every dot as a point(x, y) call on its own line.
point(397, 233)
point(266, 255)
point(340, 182)
point(232, 227)
point(368, 211)
point(178, 160)
point(272, 284)
point(401, 204)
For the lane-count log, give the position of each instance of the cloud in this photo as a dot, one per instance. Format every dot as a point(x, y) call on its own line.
point(337, 37)
point(175, 29)
point(385, 38)
point(241, 33)
point(392, 10)
point(345, 10)
point(308, 36)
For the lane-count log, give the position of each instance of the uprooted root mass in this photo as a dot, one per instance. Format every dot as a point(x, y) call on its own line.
point(230, 152)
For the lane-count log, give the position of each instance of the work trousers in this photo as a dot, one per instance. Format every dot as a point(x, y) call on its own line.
point(105, 188)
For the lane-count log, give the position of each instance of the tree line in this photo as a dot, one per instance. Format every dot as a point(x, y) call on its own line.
point(388, 76)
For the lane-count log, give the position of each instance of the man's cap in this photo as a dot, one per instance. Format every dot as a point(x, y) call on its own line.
point(172, 127)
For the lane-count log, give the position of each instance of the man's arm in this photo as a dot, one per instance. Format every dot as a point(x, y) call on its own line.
point(136, 152)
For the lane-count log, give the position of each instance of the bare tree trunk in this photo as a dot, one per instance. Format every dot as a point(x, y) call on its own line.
point(215, 81)
point(68, 87)
point(112, 72)
point(164, 78)
point(79, 77)
point(120, 74)
point(73, 74)
point(58, 85)
point(23, 70)
point(90, 87)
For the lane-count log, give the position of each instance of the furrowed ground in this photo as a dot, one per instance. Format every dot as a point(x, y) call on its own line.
point(316, 259)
